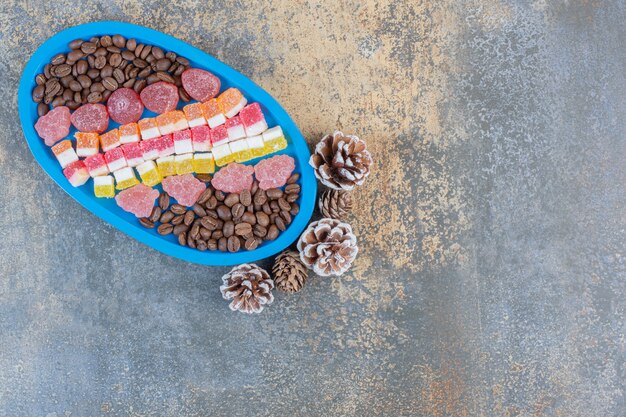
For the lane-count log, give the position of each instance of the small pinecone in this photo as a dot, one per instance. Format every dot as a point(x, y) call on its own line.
point(341, 161)
point(335, 204)
point(249, 287)
point(290, 274)
point(328, 246)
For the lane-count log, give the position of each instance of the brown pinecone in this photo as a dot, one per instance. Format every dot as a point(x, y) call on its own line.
point(249, 287)
point(335, 204)
point(341, 161)
point(290, 274)
point(328, 246)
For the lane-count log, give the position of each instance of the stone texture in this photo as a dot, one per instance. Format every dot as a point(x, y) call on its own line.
point(490, 280)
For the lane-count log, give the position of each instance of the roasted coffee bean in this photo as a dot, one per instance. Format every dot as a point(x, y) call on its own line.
point(75, 86)
point(52, 86)
point(145, 222)
point(191, 242)
point(293, 178)
point(223, 212)
point(68, 94)
point(283, 204)
point(165, 229)
point(38, 93)
point(182, 239)
point(100, 52)
point(119, 41)
point(72, 105)
point(234, 244)
point(249, 218)
point(110, 83)
point(212, 213)
point(219, 194)
point(266, 208)
point(274, 193)
point(139, 85)
point(145, 51)
point(272, 232)
point(92, 72)
point(262, 218)
point(40, 79)
point(205, 233)
point(42, 109)
point(118, 75)
point(231, 199)
point(138, 49)
point(106, 41)
point(201, 245)
point(85, 81)
point(58, 101)
point(280, 223)
point(131, 44)
point(211, 244)
point(183, 95)
point(222, 244)
point(94, 97)
point(251, 243)
point(63, 70)
point(162, 64)
point(292, 197)
point(65, 81)
point(115, 60)
point(189, 217)
point(113, 49)
point(75, 44)
point(210, 223)
point(140, 63)
point(259, 230)
point(177, 80)
point(46, 71)
point(156, 214)
point(178, 209)
point(74, 56)
point(128, 55)
point(237, 210)
point(195, 231)
point(107, 71)
point(211, 202)
point(217, 234)
point(164, 200)
point(74, 72)
point(97, 87)
point(166, 217)
point(295, 209)
point(58, 59)
point(292, 189)
point(171, 56)
point(106, 94)
point(260, 197)
point(78, 97)
point(88, 47)
point(129, 83)
point(286, 217)
point(242, 229)
point(182, 61)
point(180, 228)
point(206, 194)
point(91, 60)
point(229, 228)
point(250, 208)
point(100, 62)
point(197, 208)
point(274, 206)
point(245, 197)
point(152, 78)
point(176, 220)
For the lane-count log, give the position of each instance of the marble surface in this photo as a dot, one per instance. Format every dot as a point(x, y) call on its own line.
point(491, 278)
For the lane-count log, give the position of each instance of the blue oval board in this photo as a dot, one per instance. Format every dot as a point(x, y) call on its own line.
point(107, 209)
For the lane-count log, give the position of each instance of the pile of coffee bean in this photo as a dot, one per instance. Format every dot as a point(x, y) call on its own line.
point(228, 222)
point(93, 69)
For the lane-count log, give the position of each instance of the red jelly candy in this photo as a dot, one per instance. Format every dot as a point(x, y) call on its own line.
point(91, 118)
point(125, 106)
point(274, 172)
point(160, 97)
point(201, 85)
point(233, 178)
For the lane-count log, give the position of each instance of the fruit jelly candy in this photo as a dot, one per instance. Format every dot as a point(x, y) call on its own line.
point(129, 133)
point(64, 153)
point(133, 154)
point(193, 113)
point(104, 186)
point(213, 113)
point(150, 148)
point(125, 178)
point(148, 128)
point(256, 146)
point(253, 120)
point(201, 138)
point(274, 140)
point(222, 154)
point(182, 142)
point(76, 173)
point(166, 145)
point(235, 129)
point(180, 121)
point(110, 140)
point(115, 159)
point(166, 166)
point(231, 101)
point(240, 150)
point(149, 173)
point(219, 135)
point(203, 163)
point(86, 143)
point(165, 122)
point(96, 165)
point(183, 163)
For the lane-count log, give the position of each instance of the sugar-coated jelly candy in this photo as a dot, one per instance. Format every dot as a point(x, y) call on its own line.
point(104, 186)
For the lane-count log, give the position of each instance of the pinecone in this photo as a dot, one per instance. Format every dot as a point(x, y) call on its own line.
point(335, 204)
point(290, 274)
point(341, 162)
point(250, 288)
point(328, 246)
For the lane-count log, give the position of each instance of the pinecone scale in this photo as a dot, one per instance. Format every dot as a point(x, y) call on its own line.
point(290, 273)
point(335, 204)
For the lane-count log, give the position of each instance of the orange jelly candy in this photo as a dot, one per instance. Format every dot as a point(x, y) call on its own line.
point(129, 133)
point(193, 113)
point(110, 140)
point(213, 113)
point(86, 143)
point(148, 128)
point(231, 101)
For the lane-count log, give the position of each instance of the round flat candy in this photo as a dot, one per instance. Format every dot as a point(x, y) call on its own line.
point(274, 172)
point(125, 106)
point(91, 118)
point(160, 97)
point(54, 126)
point(138, 199)
point(233, 178)
point(201, 85)
point(186, 189)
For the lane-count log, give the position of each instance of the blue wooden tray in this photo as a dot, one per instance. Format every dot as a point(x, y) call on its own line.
point(106, 209)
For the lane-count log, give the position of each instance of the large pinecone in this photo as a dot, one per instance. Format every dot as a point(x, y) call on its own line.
point(328, 246)
point(335, 204)
point(290, 274)
point(341, 161)
point(249, 287)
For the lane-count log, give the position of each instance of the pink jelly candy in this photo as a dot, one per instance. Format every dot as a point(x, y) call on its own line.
point(54, 126)
point(138, 199)
point(201, 85)
point(160, 97)
point(186, 189)
point(233, 178)
point(274, 172)
point(92, 117)
point(124, 106)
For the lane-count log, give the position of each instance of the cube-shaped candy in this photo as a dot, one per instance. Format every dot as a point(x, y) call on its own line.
point(166, 166)
point(219, 135)
point(148, 128)
point(76, 173)
point(256, 146)
point(133, 154)
point(180, 121)
point(193, 113)
point(201, 138)
point(274, 140)
point(166, 145)
point(115, 159)
point(182, 142)
point(125, 178)
point(235, 129)
point(165, 122)
point(149, 173)
point(203, 163)
point(104, 186)
point(96, 165)
point(184, 163)
point(222, 154)
point(240, 150)
point(86, 143)
point(253, 119)
point(129, 133)
point(64, 153)
point(110, 140)
point(213, 113)
point(231, 101)
point(150, 148)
